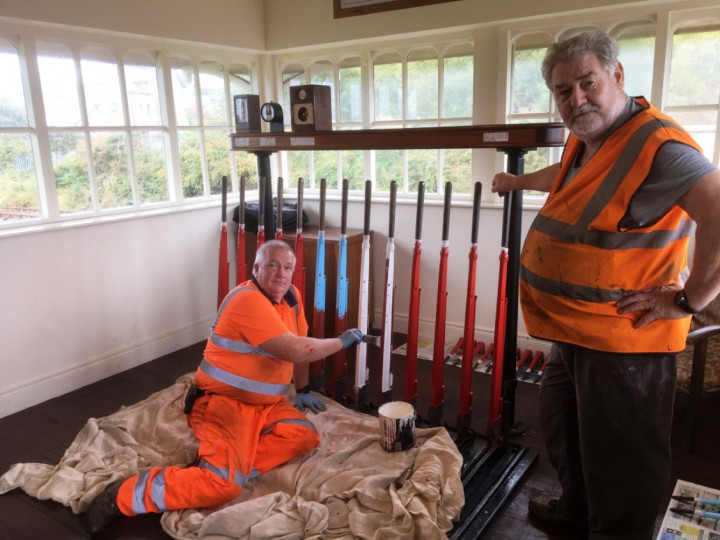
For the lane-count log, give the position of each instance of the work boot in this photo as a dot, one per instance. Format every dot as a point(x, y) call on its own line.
point(103, 509)
point(550, 509)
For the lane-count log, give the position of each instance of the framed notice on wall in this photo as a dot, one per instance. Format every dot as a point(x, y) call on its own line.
point(348, 8)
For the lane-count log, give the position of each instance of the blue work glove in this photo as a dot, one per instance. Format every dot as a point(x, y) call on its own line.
point(351, 336)
point(311, 402)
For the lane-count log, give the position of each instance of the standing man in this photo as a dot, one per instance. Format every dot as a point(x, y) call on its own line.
point(604, 277)
point(237, 406)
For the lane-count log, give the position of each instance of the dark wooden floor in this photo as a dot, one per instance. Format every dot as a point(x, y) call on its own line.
point(43, 432)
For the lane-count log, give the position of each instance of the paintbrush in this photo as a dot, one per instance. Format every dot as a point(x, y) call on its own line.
point(695, 513)
point(700, 500)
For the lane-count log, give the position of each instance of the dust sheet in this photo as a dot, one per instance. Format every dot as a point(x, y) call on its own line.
point(346, 488)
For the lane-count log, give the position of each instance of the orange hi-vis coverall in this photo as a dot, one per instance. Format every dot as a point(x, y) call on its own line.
point(244, 422)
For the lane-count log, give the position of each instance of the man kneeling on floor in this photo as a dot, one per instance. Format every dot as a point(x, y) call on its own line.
point(237, 406)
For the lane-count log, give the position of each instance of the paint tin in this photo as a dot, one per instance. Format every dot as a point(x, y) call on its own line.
point(397, 426)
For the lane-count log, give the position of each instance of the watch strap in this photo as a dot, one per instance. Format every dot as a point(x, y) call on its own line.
point(682, 302)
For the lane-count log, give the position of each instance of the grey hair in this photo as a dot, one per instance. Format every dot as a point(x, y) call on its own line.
point(261, 255)
point(603, 46)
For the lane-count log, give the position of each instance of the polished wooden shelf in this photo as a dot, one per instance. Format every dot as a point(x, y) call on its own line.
point(503, 136)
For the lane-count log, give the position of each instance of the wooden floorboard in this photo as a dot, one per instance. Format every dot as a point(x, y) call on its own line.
point(43, 432)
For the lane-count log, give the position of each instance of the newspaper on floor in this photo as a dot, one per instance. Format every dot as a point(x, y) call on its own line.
point(425, 349)
point(701, 524)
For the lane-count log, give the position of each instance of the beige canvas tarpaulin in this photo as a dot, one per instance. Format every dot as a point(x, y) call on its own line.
point(346, 488)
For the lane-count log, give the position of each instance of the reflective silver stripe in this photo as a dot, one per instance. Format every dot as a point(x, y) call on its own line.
point(239, 479)
point(297, 421)
point(611, 183)
point(568, 290)
point(157, 491)
point(138, 501)
point(238, 346)
point(612, 240)
point(578, 232)
point(226, 300)
point(241, 383)
point(228, 297)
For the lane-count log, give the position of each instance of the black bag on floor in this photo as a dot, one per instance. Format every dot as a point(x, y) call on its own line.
point(252, 215)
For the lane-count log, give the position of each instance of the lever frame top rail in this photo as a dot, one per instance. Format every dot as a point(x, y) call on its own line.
point(488, 136)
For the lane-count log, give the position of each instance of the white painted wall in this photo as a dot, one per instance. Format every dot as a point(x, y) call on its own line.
point(85, 302)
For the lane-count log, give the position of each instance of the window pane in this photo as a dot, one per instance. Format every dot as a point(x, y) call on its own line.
point(240, 79)
point(701, 125)
point(246, 165)
point(326, 164)
point(218, 158)
point(19, 198)
point(190, 164)
point(72, 180)
point(298, 166)
point(109, 154)
point(637, 54)
point(422, 167)
point(422, 85)
point(212, 91)
point(529, 92)
point(13, 112)
point(694, 68)
point(389, 166)
point(457, 168)
point(59, 85)
point(142, 90)
point(102, 88)
point(352, 168)
point(350, 82)
point(536, 160)
point(387, 77)
point(183, 85)
point(150, 172)
point(458, 86)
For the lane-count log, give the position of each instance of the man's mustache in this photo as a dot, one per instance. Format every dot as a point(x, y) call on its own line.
point(584, 109)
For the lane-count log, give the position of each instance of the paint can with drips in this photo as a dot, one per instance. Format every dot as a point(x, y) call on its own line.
point(397, 426)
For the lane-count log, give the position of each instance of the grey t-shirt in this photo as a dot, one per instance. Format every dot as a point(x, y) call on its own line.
point(676, 168)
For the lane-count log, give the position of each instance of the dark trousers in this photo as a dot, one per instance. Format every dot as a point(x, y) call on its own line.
point(606, 419)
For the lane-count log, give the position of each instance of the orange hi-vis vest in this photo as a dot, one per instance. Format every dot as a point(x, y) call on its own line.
point(576, 262)
point(234, 364)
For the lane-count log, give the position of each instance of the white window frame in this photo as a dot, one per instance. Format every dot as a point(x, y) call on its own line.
point(24, 36)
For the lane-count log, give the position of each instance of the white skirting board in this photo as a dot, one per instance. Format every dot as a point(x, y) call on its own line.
point(30, 392)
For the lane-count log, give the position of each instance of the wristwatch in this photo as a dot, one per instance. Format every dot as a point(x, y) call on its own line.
point(681, 301)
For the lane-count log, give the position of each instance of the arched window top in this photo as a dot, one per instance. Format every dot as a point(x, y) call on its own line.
point(422, 53)
point(101, 85)
point(58, 80)
point(240, 76)
point(141, 82)
point(212, 93)
point(532, 40)
point(13, 111)
point(183, 87)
